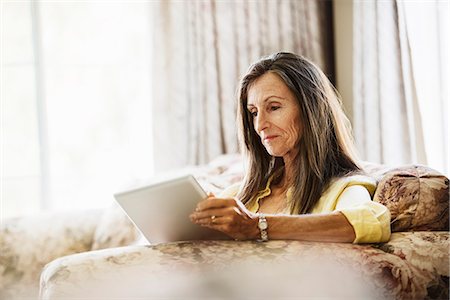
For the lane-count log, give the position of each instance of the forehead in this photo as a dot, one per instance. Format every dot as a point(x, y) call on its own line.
point(269, 84)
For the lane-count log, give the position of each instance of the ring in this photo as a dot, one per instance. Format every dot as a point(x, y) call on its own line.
point(213, 218)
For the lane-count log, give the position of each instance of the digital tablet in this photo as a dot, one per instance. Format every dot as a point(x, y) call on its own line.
point(161, 211)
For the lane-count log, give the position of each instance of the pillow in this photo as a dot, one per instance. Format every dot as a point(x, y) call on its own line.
point(114, 230)
point(417, 197)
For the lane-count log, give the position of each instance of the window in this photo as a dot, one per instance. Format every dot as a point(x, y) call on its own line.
point(76, 103)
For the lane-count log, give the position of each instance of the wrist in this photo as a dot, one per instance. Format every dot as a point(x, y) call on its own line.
point(256, 234)
point(263, 227)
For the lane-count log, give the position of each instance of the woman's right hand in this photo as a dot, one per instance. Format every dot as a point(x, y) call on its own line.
point(228, 215)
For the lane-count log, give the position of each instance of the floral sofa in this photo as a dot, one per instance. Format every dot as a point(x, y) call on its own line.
point(98, 254)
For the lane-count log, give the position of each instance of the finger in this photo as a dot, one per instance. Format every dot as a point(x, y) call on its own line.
point(228, 210)
point(213, 220)
point(221, 220)
point(208, 213)
point(213, 202)
point(209, 195)
point(207, 221)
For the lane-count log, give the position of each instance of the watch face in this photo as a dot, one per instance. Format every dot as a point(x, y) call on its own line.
point(262, 224)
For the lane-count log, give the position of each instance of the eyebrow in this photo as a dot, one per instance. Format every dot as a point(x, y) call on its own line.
point(265, 100)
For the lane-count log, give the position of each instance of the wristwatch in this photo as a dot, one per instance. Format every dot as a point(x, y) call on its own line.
point(262, 225)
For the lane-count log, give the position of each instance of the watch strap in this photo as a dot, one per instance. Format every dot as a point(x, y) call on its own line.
point(263, 226)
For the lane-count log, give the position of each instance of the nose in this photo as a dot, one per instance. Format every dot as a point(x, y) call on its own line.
point(260, 122)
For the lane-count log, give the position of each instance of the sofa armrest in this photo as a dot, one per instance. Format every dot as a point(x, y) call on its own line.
point(28, 243)
point(205, 270)
point(217, 269)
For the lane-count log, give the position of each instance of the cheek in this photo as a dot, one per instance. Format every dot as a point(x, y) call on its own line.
point(294, 129)
point(294, 132)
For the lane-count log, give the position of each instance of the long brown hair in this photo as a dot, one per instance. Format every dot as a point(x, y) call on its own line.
point(326, 148)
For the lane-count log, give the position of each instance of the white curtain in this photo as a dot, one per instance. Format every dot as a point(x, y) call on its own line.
point(202, 48)
point(75, 103)
point(400, 82)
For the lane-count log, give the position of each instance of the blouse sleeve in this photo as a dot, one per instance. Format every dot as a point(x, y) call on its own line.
point(370, 220)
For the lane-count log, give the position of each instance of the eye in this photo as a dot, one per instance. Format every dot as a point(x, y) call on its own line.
point(274, 107)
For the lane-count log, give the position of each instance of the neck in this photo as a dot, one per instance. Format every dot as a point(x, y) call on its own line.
point(289, 172)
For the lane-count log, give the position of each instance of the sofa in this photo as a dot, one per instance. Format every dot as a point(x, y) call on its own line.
point(99, 254)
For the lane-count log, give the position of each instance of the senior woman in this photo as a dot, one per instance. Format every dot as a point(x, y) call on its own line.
point(302, 180)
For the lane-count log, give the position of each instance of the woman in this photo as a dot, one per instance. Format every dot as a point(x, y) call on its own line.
point(302, 180)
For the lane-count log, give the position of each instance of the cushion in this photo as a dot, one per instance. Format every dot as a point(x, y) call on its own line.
point(417, 197)
point(114, 229)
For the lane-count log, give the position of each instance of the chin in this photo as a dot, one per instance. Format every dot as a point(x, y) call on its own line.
point(275, 153)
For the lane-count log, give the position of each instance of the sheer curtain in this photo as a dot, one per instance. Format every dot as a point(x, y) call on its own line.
point(400, 86)
point(76, 109)
point(201, 50)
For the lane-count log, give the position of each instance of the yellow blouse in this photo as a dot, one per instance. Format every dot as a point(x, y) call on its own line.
point(370, 220)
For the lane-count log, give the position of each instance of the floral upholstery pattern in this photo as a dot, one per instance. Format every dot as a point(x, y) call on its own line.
point(393, 270)
point(417, 197)
point(27, 244)
point(114, 229)
point(427, 253)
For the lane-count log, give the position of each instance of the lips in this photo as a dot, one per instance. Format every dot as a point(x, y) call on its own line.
point(269, 138)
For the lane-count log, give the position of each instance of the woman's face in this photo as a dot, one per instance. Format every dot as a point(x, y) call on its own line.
point(276, 115)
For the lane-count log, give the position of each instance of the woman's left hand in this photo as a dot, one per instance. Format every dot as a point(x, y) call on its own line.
point(228, 215)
